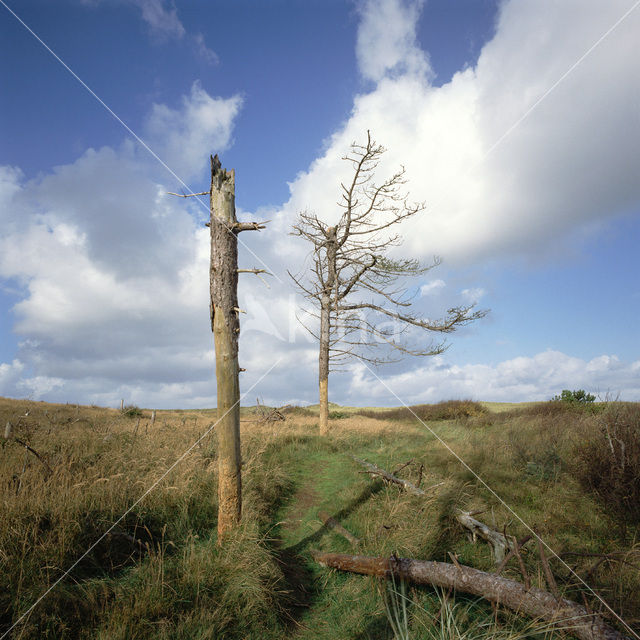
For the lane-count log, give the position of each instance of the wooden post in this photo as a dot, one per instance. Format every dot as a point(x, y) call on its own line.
point(226, 327)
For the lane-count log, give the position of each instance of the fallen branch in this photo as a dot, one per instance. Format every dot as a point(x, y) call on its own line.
point(497, 540)
point(35, 453)
point(548, 575)
point(518, 544)
point(332, 523)
point(534, 602)
point(385, 475)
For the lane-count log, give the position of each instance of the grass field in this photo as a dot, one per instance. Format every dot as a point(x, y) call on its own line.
point(159, 573)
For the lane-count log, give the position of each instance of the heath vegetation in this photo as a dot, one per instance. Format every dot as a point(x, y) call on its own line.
point(70, 473)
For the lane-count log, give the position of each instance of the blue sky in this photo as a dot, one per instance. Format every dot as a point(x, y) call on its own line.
point(518, 124)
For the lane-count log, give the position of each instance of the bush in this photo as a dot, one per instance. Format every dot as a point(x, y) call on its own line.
point(575, 397)
point(447, 410)
point(131, 411)
point(297, 411)
point(608, 461)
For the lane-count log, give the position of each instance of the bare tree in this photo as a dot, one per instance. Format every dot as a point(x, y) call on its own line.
point(355, 285)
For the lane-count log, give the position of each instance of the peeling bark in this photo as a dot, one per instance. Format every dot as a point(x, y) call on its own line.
point(534, 602)
point(497, 540)
point(226, 327)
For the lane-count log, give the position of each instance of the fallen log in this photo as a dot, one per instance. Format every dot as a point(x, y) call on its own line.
point(497, 540)
point(534, 602)
point(332, 523)
point(385, 475)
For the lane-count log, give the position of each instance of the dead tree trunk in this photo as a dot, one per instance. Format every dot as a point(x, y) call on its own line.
point(533, 602)
point(325, 329)
point(226, 327)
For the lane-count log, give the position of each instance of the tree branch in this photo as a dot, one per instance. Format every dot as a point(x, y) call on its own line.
point(533, 602)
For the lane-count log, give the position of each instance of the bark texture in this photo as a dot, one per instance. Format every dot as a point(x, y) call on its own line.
point(226, 327)
point(325, 329)
point(498, 542)
point(509, 593)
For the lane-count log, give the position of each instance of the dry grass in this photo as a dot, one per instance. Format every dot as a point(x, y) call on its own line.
point(448, 410)
point(162, 576)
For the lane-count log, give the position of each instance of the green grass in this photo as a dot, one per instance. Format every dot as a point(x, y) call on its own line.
point(176, 583)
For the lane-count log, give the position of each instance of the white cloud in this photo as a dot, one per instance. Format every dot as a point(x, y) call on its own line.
point(114, 272)
point(161, 17)
point(387, 42)
point(521, 379)
point(474, 295)
point(568, 164)
point(184, 137)
point(200, 46)
point(432, 287)
point(10, 375)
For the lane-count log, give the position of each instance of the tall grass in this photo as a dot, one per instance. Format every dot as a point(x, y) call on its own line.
point(160, 573)
point(447, 410)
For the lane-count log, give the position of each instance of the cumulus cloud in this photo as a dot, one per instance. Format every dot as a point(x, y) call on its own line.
point(386, 43)
point(113, 271)
point(184, 136)
point(521, 379)
point(496, 183)
point(10, 376)
point(432, 287)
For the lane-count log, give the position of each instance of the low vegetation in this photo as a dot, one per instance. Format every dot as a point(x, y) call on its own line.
point(573, 475)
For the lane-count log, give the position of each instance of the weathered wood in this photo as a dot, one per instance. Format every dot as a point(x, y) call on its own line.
point(548, 575)
point(515, 549)
point(498, 542)
point(534, 602)
point(248, 226)
point(332, 523)
point(330, 246)
point(377, 471)
point(226, 327)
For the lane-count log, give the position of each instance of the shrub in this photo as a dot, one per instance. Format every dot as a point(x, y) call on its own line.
point(131, 411)
point(293, 410)
point(575, 397)
point(447, 410)
point(608, 461)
